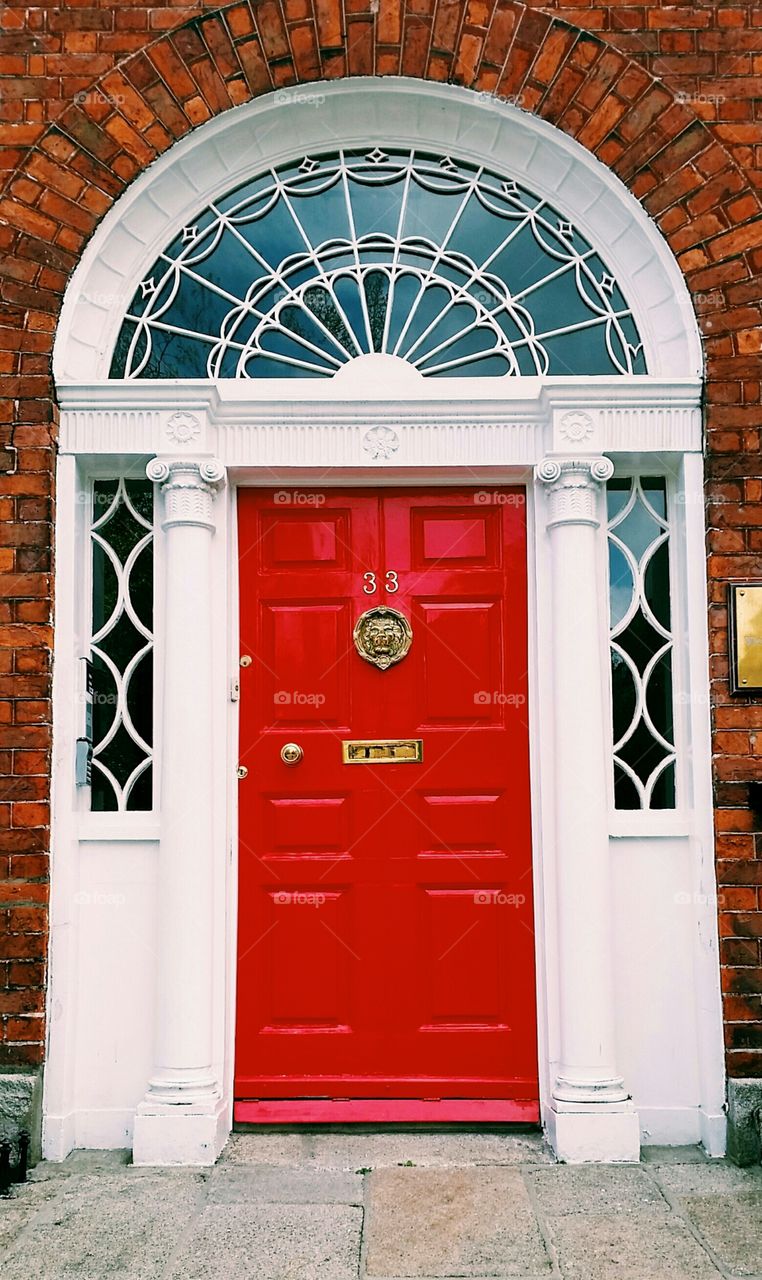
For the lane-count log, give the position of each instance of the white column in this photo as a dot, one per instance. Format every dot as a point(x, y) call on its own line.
point(591, 1116)
point(181, 1118)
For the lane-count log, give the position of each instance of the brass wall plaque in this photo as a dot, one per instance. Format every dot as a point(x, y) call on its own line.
point(745, 637)
point(382, 636)
point(383, 751)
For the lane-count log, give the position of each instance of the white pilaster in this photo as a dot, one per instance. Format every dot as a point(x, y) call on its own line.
point(591, 1116)
point(181, 1119)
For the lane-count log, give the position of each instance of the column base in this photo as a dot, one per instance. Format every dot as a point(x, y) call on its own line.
point(179, 1133)
point(602, 1134)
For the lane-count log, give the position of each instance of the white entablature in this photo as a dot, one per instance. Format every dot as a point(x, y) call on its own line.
point(460, 423)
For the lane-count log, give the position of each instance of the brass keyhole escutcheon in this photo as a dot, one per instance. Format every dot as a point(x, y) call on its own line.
point(291, 753)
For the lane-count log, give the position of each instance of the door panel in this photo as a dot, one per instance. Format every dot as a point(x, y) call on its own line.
point(386, 944)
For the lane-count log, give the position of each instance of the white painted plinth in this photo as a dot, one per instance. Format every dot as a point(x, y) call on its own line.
point(604, 1135)
point(180, 1134)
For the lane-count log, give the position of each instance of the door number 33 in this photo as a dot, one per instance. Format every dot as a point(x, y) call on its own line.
point(370, 585)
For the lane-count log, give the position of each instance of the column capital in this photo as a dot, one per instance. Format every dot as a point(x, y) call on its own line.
point(189, 486)
point(573, 487)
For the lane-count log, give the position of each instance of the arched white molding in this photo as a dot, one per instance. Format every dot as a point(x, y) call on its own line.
point(459, 122)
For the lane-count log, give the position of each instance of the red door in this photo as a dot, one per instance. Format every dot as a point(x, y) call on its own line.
point(385, 946)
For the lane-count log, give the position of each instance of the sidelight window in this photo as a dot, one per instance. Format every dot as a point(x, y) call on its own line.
point(121, 644)
point(641, 642)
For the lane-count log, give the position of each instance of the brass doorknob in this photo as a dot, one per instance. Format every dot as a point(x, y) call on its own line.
point(291, 753)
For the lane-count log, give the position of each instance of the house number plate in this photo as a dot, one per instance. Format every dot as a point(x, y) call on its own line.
point(383, 751)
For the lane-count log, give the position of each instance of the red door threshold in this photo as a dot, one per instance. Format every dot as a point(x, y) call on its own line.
point(386, 1111)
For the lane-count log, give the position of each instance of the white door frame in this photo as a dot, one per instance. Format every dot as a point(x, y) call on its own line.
point(374, 425)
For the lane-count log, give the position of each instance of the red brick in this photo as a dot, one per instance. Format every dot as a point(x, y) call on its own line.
point(611, 74)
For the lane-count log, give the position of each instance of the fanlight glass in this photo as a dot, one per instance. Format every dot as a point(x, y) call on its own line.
point(441, 263)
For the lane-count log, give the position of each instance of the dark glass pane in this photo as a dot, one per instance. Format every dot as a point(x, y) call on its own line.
point(642, 752)
point(104, 699)
point(655, 490)
point(121, 755)
point(141, 795)
point(617, 492)
point(105, 587)
point(659, 697)
point(638, 530)
point(102, 794)
point(140, 494)
point(625, 792)
point(663, 794)
point(621, 585)
point(122, 642)
point(140, 697)
point(141, 586)
point(656, 585)
point(640, 641)
point(625, 696)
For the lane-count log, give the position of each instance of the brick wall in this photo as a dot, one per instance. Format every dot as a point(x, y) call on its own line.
point(664, 94)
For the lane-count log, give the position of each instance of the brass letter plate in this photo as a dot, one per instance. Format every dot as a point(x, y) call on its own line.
point(383, 751)
point(746, 637)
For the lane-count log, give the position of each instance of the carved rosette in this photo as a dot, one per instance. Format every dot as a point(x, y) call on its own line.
point(189, 486)
point(573, 485)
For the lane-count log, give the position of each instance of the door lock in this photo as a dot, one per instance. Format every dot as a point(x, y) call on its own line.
point(291, 753)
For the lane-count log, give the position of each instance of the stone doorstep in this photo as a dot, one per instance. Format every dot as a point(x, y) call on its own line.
point(21, 1108)
point(745, 1121)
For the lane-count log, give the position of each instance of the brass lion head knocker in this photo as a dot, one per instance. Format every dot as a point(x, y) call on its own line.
point(382, 636)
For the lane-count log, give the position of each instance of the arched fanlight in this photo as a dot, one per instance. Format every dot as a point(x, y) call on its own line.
point(444, 264)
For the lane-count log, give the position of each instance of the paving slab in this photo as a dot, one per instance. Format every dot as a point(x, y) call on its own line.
point(271, 1242)
point(454, 1222)
point(593, 1189)
point(424, 1150)
point(643, 1245)
point(715, 1177)
point(102, 1227)
point(265, 1148)
point(271, 1184)
point(82, 1162)
point(732, 1227)
point(673, 1155)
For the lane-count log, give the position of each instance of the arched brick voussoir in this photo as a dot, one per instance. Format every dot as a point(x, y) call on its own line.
point(662, 150)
